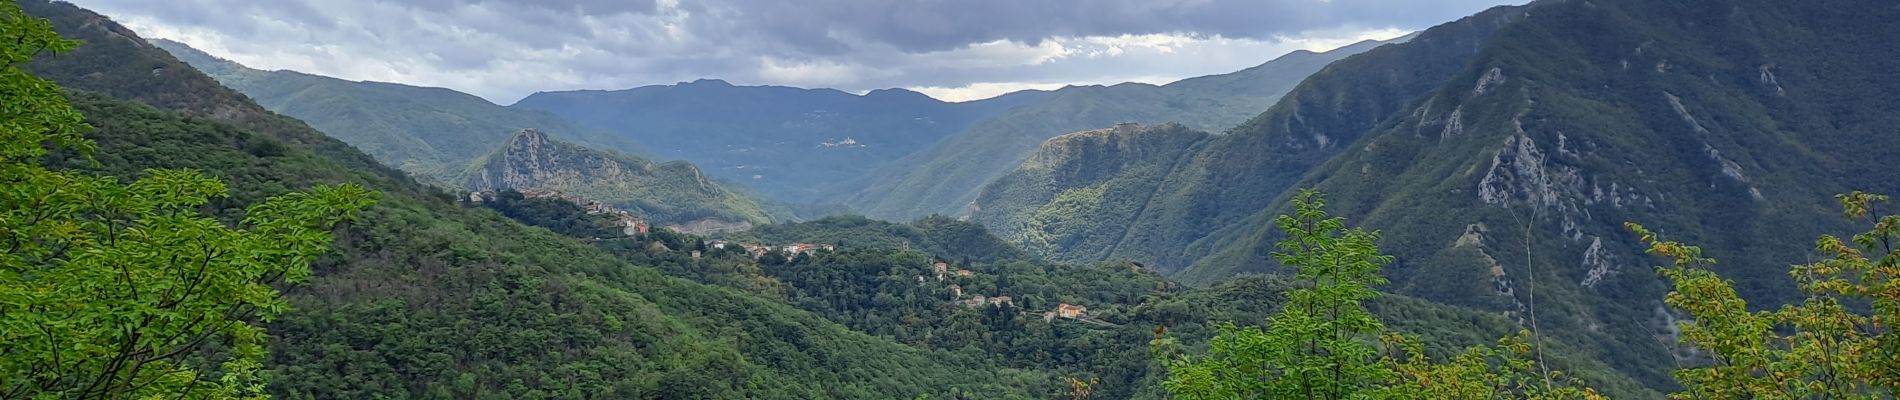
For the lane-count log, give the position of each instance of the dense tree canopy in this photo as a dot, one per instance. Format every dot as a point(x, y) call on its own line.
point(113, 290)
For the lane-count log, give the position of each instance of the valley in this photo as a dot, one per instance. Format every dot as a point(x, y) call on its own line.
point(1527, 202)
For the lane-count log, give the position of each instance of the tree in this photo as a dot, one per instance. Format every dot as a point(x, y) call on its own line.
point(112, 290)
point(1836, 343)
point(1321, 344)
point(1504, 371)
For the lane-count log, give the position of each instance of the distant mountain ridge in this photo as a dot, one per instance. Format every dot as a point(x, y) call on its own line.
point(672, 193)
point(440, 134)
point(946, 178)
point(791, 144)
point(426, 131)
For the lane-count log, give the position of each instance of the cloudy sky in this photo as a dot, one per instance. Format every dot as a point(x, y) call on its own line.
point(952, 49)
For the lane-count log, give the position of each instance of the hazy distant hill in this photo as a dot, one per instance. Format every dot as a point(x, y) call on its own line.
point(789, 143)
point(429, 132)
point(945, 178)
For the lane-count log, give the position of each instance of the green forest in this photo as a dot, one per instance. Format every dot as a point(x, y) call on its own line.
point(168, 237)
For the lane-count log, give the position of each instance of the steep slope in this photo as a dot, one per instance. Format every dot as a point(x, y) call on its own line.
point(1075, 197)
point(1727, 123)
point(673, 193)
point(945, 178)
point(429, 132)
point(1168, 217)
point(787, 143)
point(424, 299)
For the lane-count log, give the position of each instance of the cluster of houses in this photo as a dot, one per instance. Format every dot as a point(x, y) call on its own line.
point(759, 250)
point(979, 300)
point(942, 270)
point(628, 223)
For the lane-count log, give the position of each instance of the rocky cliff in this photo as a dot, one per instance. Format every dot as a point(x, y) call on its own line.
point(668, 193)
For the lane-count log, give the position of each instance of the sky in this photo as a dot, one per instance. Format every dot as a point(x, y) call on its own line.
point(954, 50)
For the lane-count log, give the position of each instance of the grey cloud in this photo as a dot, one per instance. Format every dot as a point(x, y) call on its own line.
point(928, 25)
point(604, 43)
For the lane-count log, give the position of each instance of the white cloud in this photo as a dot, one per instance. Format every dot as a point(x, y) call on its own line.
point(812, 73)
point(982, 90)
point(1153, 59)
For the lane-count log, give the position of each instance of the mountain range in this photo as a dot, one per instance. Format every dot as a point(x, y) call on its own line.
point(946, 177)
point(458, 140)
point(1498, 156)
point(424, 297)
point(432, 133)
point(791, 144)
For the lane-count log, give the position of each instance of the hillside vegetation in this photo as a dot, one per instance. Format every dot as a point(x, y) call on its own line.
point(428, 132)
point(425, 299)
point(880, 279)
point(1502, 153)
point(1169, 217)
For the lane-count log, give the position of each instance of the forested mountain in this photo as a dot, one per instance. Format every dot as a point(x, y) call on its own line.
point(791, 144)
point(425, 299)
point(428, 132)
point(672, 193)
point(1107, 175)
point(1506, 150)
point(1166, 216)
point(945, 178)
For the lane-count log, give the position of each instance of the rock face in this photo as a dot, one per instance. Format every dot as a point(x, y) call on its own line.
point(669, 193)
point(1529, 153)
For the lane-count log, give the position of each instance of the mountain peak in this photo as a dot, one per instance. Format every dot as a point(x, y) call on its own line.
point(529, 135)
point(896, 93)
point(707, 82)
